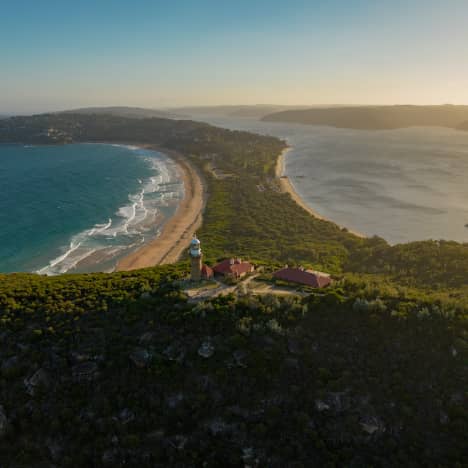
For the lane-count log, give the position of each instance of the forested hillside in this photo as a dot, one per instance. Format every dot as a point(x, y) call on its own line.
point(119, 369)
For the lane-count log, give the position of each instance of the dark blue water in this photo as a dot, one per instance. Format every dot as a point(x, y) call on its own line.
point(80, 207)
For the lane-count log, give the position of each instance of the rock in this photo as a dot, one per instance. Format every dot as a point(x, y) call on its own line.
point(110, 457)
point(206, 349)
point(239, 355)
point(247, 454)
point(126, 416)
point(77, 357)
point(55, 450)
point(443, 417)
point(174, 400)
point(178, 441)
point(146, 295)
point(372, 425)
point(218, 426)
point(146, 338)
point(175, 352)
point(85, 372)
point(140, 358)
point(39, 379)
point(321, 405)
point(3, 422)
point(156, 436)
point(338, 401)
point(23, 347)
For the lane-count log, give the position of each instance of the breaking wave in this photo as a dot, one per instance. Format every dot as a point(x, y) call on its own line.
point(132, 223)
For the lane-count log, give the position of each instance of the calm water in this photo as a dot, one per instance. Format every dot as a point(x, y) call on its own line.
point(80, 207)
point(403, 185)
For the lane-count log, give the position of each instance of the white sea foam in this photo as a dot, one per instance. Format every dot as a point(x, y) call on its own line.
point(127, 229)
point(130, 147)
point(60, 259)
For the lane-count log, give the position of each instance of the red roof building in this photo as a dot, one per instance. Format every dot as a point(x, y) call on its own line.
point(311, 278)
point(207, 272)
point(233, 267)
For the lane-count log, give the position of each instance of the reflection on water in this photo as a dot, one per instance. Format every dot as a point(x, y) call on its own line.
point(403, 185)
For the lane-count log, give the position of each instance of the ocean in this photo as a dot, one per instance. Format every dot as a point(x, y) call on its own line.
point(402, 185)
point(81, 207)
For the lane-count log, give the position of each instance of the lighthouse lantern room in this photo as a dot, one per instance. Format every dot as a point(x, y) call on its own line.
point(195, 255)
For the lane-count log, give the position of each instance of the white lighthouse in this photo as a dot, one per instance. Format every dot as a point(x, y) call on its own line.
point(195, 255)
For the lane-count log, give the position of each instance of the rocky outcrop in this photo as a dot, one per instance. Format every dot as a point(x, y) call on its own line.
point(3, 422)
point(40, 379)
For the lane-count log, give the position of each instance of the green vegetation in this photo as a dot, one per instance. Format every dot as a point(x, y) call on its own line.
point(78, 293)
point(377, 117)
point(114, 369)
point(359, 376)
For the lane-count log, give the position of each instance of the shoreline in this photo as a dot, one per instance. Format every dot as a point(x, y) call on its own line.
point(286, 186)
point(176, 233)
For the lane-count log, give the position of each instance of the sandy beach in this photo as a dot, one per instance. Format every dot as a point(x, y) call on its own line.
point(177, 232)
point(287, 187)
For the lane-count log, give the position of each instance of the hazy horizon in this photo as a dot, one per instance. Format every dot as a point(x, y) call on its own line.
point(213, 106)
point(4, 112)
point(155, 55)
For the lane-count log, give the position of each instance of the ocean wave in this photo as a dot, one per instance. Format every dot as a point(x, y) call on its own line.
point(131, 223)
point(129, 147)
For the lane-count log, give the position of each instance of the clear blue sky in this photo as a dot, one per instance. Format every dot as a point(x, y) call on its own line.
point(63, 54)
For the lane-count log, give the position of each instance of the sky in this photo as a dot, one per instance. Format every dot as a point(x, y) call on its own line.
point(150, 53)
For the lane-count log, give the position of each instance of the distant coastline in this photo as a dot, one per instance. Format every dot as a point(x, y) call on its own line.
point(168, 246)
point(287, 187)
point(377, 117)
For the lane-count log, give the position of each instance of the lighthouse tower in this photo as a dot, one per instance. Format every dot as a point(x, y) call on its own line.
point(195, 255)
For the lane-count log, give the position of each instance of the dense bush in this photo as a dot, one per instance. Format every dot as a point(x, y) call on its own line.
point(358, 376)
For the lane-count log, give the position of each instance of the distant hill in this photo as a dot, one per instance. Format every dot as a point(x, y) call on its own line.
point(248, 111)
point(377, 117)
point(130, 112)
point(463, 126)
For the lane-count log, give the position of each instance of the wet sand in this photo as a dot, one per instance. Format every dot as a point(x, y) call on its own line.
point(287, 187)
point(178, 231)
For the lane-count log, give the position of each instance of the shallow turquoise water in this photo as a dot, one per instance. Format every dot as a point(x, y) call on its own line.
point(80, 207)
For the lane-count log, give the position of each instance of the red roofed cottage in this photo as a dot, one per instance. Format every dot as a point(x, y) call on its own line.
point(315, 279)
point(233, 267)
